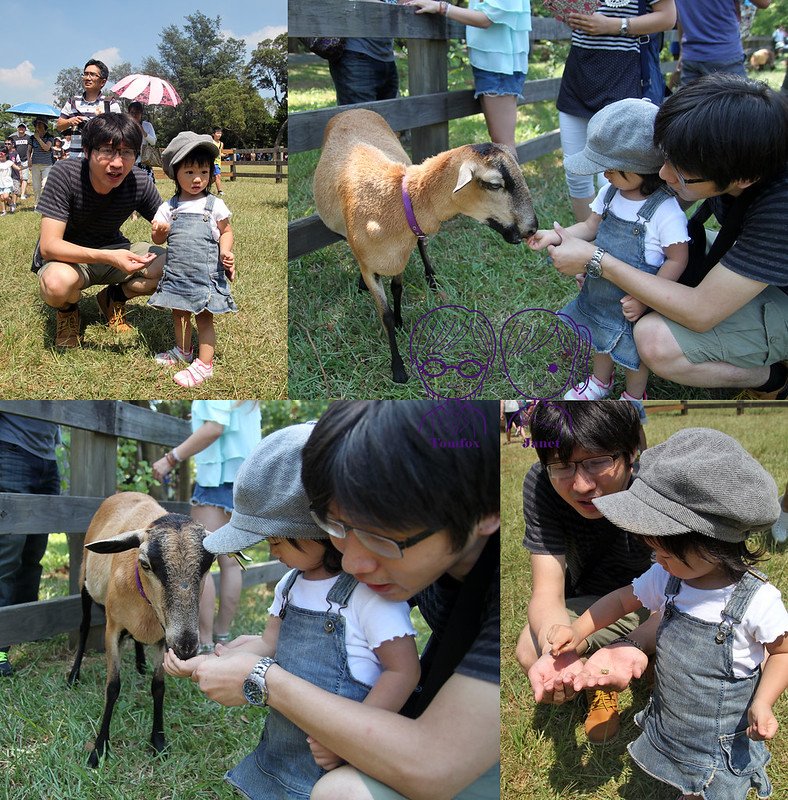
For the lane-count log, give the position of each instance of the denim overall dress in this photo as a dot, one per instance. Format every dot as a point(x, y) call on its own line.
point(694, 727)
point(597, 307)
point(193, 278)
point(312, 646)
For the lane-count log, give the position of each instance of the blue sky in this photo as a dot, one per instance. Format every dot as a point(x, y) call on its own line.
point(65, 34)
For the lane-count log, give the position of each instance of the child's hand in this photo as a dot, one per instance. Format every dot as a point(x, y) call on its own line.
point(633, 309)
point(323, 756)
point(181, 669)
point(161, 228)
point(541, 239)
point(228, 262)
point(563, 639)
point(763, 723)
point(425, 6)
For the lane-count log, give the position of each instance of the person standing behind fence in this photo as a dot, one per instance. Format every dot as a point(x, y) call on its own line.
point(217, 164)
point(224, 432)
point(41, 157)
point(27, 466)
point(604, 65)
point(497, 36)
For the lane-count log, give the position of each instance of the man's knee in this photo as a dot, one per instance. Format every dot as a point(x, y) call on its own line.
point(342, 783)
point(57, 282)
point(654, 341)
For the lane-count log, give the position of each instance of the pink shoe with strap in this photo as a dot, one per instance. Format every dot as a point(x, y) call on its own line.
point(194, 374)
point(596, 390)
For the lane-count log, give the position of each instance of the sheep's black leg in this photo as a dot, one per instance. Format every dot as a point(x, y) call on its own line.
point(429, 272)
point(157, 690)
point(375, 286)
point(84, 629)
point(396, 292)
point(139, 657)
point(111, 640)
point(362, 286)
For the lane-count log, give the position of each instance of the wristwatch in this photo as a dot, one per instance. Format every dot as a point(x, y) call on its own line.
point(594, 266)
point(255, 690)
point(624, 30)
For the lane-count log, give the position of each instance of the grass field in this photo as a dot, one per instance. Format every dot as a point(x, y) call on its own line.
point(337, 347)
point(543, 750)
point(251, 345)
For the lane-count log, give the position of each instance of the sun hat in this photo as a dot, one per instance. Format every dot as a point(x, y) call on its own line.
point(621, 137)
point(183, 144)
point(699, 480)
point(269, 498)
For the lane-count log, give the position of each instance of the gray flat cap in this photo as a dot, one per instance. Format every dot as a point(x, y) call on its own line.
point(698, 480)
point(620, 136)
point(181, 146)
point(268, 496)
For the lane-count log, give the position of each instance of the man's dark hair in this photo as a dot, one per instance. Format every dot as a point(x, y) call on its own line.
point(111, 129)
point(102, 67)
point(135, 105)
point(724, 128)
point(377, 461)
point(21, 125)
point(603, 426)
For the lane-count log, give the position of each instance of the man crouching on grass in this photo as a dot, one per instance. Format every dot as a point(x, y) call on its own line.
point(83, 205)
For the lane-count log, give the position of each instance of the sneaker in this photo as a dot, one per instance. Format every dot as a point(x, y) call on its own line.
point(194, 374)
point(2, 213)
point(174, 357)
point(780, 528)
point(67, 328)
point(113, 312)
point(221, 194)
point(603, 722)
point(627, 396)
point(23, 197)
point(12, 207)
point(594, 391)
point(6, 670)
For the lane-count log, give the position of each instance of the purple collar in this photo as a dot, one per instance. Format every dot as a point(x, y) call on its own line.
point(409, 215)
point(139, 584)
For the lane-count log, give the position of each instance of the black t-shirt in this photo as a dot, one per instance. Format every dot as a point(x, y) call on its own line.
point(599, 556)
point(93, 219)
point(21, 143)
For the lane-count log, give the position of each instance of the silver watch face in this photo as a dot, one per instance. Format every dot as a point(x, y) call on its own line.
point(253, 692)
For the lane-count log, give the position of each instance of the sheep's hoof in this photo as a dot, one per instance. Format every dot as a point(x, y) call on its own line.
point(399, 375)
point(93, 759)
point(158, 742)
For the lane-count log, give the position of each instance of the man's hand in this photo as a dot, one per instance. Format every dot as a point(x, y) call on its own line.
point(129, 262)
point(181, 669)
point(549, 676)
point(612, 667)
point(763, 723)
point(633, 309)
point(324, 757)
point(220, 679)
point(572, 255)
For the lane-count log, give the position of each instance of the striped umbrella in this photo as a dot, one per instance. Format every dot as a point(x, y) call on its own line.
point(148, 89)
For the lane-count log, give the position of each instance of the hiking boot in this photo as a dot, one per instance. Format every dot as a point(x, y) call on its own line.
point(67, 328)
point(6, 670)
point(780, 393)
point(603, 722)
point(113, 312)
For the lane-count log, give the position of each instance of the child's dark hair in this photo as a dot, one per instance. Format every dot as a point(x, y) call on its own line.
point(200, 157)
point(651, 182)
point(4, 151)
point(734, 557)
point(332, 558)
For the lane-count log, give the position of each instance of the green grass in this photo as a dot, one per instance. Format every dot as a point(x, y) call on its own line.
point(251, 345)
point(543, 752)
point(49, 728)
point(337, 346)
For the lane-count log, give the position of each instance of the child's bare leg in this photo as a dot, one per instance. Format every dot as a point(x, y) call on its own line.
point(217, 179)
point(500, 114)
point(206, 336)
point(603, 367)
point(182, 322)
point(636, 381)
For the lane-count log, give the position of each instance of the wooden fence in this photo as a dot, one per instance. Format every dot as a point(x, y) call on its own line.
point(428, 108)
point(95, 429)
point(277, 160)
point(685, 406)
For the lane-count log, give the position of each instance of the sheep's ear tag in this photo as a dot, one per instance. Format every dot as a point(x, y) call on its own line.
point(465, 176)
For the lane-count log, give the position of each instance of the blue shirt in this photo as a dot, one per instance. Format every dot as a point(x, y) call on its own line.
point(503, 47)
point(34, 435)
point(220, 461)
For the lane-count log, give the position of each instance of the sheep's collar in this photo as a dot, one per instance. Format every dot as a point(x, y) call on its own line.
point(409, 215)
point(139, 584)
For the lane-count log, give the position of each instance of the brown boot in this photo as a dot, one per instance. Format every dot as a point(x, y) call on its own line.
point(603, 722)
point(113, 312)
point(67, 329)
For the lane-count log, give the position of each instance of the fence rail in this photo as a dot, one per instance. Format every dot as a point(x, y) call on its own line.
point(278, 161)
point(685, 406)
point(96, 426)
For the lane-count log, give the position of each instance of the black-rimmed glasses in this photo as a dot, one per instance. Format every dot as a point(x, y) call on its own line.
point(596, 466)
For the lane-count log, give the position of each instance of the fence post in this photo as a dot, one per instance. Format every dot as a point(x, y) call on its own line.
point(428, 73)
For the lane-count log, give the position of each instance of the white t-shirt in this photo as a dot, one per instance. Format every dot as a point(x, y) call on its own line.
point(6, 180)
point(765, 620)
point(668, 224)
point(220, 212)
point(369, 620)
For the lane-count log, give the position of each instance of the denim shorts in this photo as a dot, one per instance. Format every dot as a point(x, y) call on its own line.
point(219, 496)
point(217, 170)
point(496, 83)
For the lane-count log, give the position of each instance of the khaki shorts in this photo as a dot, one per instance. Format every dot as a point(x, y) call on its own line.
point(577, 605)
point(488, 787)
point(754, 336)
point(102, 274)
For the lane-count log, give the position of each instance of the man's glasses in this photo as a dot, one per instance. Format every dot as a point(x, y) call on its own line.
point(597, 466)
point(683, 182)
point(109, 153)
point(93, 76)
point(383, 546)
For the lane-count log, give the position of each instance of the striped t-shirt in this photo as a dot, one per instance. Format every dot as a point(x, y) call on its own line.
point(80, 107)
point(599, 556)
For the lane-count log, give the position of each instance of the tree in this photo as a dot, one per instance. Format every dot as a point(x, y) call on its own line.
point(239, 109)
point(267, 68)
point(68, 84)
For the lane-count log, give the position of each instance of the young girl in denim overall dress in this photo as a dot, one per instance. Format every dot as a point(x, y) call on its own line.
point(200, 261)
point(636, 218)
point(704, 727)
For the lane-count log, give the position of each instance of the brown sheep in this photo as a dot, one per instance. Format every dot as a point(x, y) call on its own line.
point(358, 189)
point(145, 567)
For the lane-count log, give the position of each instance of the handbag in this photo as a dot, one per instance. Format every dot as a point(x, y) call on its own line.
point(150, 155)
point(330, 48)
